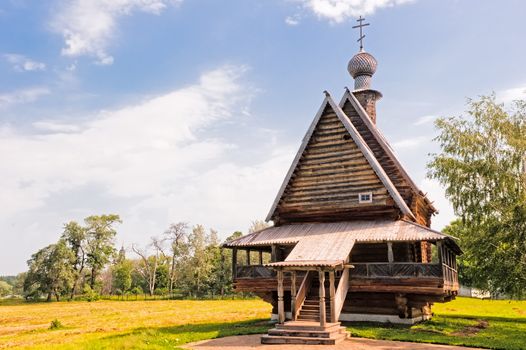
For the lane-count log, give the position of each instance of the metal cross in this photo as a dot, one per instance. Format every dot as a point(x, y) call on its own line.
point(361, 25)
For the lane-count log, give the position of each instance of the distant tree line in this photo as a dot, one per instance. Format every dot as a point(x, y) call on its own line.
point(84, 263)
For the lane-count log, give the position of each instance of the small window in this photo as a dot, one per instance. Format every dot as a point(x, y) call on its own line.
point(365, 197)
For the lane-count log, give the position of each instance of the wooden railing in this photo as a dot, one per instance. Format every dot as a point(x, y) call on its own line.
point(302, 293)
point(254, 271)
point(396, 270)
point(450, 277)
point(340, 295)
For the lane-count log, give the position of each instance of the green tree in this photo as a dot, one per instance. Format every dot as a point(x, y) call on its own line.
point(75, 238)
point(100, 235)
point(482, 166)
point(122, 275)
point(50, 272)
point(5, 289)
point(177, 237)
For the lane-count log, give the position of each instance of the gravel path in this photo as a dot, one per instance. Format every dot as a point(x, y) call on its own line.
point(250, 342)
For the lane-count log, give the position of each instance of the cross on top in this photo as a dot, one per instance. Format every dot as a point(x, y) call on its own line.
point(361, 25)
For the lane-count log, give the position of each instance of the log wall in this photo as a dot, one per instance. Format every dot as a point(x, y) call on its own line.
point(330, 175)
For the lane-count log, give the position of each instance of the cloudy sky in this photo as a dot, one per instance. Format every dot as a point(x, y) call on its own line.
point(185, 110)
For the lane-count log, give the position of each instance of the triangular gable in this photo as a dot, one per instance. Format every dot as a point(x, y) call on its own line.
point(357, 140)
point(381, 141)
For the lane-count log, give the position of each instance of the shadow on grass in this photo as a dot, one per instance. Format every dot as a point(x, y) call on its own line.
point(168, 337)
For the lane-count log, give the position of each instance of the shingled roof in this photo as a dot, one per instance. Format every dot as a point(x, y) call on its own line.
point(382, 142)
point(362, 145)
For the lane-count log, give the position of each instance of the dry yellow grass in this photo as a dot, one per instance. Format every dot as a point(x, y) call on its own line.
point(27, 325)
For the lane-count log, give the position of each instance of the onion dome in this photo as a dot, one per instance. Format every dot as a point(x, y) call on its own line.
point(362, 67)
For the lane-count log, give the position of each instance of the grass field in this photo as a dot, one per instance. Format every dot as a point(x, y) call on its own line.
point(168, 324)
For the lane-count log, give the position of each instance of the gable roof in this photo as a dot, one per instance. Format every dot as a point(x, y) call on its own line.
point(382, 141)
point(337, 234)
point(362, 145)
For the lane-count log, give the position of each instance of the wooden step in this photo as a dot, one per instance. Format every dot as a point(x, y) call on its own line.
point(313, 326)
point(272, 339)
point(307, 333)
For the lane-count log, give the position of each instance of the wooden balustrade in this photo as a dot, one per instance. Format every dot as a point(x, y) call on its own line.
point(396, 270)
point(254, 271)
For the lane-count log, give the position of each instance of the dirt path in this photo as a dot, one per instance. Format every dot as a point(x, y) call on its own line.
point(250, 342)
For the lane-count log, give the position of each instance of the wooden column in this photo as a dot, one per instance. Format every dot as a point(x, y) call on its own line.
point(322, 298)
point(293, 294)
point(248, 257)
point(260, 257)
point(390, 255)
point(332, 293)
point(439, 251)
point(234, 262)
point(274, 253)
point(281, 305)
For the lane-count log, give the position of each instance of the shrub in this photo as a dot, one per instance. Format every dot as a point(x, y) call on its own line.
point(90, 295)
point(56, 324)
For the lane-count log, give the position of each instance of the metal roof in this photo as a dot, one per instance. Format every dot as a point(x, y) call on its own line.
point(318, 235)
point(306, 263)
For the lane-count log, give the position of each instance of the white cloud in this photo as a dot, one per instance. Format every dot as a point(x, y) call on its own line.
point(88, 26)
point(340, 10)
point(21, 63)
point(426, 119)
point(410, 142)
point(22, 96)
point(513, 94)
point(292, 20)
point(153, 162)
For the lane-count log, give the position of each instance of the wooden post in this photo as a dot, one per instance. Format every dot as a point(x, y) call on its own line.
point(332, 293)
point(293, 295)
point(274, 253)
point(248, 257)
point(234, 263)
point(322, 298)
point(390, 255)
point(260, 257)
point(281, 305)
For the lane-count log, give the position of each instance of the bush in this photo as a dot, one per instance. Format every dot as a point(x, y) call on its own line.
point(161, 291)
point(56, 324)
point(89, 294)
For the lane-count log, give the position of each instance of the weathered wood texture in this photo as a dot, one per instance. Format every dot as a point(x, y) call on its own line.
point(330, 175)
point(420, 208)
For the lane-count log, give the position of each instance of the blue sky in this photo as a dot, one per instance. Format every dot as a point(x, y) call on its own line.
point(192, 110)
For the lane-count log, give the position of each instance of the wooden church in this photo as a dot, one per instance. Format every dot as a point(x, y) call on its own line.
point(351, 239)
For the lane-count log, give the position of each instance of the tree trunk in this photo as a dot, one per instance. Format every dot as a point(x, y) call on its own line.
point(92, 278)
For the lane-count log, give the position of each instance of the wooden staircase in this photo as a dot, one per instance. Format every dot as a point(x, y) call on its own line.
point(305, 332)
point(307, 329)
point(310, 310)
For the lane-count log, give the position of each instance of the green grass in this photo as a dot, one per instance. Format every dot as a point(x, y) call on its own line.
point(167, 324)
point(495, 324)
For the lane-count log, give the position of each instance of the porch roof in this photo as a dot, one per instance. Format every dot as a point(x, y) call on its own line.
point(318, 234)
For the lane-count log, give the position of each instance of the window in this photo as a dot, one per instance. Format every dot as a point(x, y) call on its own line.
point(365, 197)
